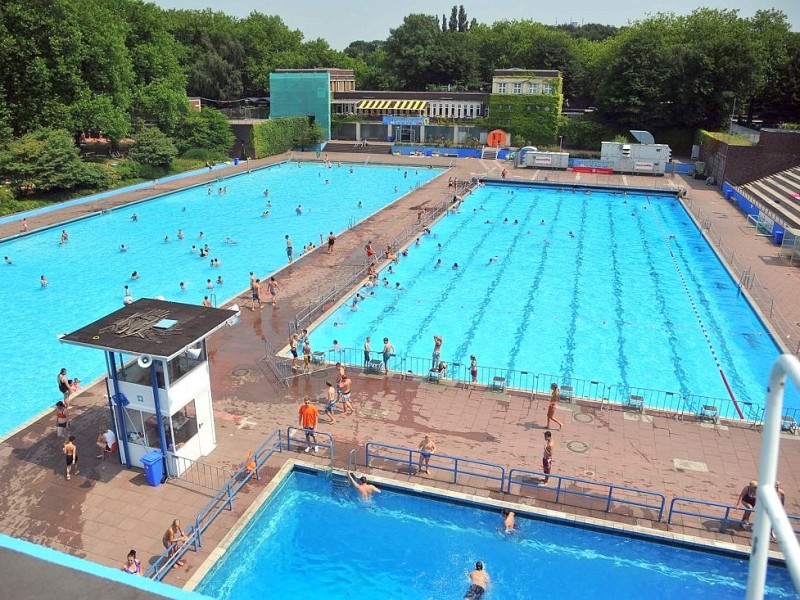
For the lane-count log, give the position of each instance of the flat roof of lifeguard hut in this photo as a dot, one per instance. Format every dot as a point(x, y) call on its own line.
point(156, 327)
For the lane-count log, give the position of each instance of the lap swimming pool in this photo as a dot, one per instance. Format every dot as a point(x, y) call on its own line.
point(87, 274)
point(611, 294)
point(315, 539)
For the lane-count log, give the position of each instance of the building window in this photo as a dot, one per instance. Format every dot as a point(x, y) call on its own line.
point(547, 88)
point(517, 88)
point(501, 88)
point(534, 88)
point(471, 110)
point(459, 111)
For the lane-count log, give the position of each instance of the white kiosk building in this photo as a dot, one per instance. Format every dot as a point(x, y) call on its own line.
point(158, 381)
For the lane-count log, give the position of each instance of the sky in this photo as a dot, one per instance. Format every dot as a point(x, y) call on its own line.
point(343, 21)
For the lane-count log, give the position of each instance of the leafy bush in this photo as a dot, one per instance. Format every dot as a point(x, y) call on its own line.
point(583, 133)
point(278, 135)
point(46, 160)
point(531, 118)
point(97, 176)
point(128, 169)
point(204, 155)
point(154, 148)
point(208, 129)
point(152, 171)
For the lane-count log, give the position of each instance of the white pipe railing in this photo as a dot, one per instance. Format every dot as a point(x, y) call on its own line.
point(770, 513)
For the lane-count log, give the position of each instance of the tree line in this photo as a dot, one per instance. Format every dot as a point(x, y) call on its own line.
point(118, 65)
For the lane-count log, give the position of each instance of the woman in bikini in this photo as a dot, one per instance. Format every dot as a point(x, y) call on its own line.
point(61, 420)
point(132, 566)
point(551, 408)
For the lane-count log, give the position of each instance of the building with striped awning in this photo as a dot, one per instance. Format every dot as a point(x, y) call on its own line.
point(441, 104)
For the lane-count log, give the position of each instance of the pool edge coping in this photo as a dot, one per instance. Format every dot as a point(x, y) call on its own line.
point(563, 518)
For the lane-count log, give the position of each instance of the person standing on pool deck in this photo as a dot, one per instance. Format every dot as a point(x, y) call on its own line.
point(547, 456)
point(330, 400)
point(71, 456)
point(437, 348)
point(344, 394)
point(388, 350)
point(61, 419)
point(368, 249)
point(473, 369)
point(307, 417)
point(365, 488)
point(307, 355)
point(273, 288)
point(331, 241)
point(255, 293)
point(289, 247)
point(479, 581)
point(426, 449)
point(551, 407)
point(63, 386)
point(747, 500)
point(367, 350)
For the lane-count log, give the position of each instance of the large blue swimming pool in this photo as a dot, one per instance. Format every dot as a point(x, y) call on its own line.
point(620, 293)
point(87, 275)
point(316, 541)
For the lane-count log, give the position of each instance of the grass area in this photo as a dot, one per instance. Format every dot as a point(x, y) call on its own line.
point(731, 140)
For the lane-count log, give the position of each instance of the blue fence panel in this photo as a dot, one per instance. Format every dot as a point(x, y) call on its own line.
point(607, 497)
point(461, 466)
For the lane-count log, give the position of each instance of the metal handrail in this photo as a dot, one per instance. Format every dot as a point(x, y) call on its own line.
point(224, 498)
point(369, 454)
point(724, 520)
point(198, 473)
point(352, 461)
point(536, 384)
point(607, 497)
point(328, 436)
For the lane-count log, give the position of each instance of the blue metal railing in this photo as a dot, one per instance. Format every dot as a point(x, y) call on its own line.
point(327, 436)
point(460, 466)
point(608, 496)
point(726, 510)
point(222, 500)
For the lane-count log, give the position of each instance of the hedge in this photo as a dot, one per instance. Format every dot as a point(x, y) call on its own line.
point(531, 119)
point(279, 135)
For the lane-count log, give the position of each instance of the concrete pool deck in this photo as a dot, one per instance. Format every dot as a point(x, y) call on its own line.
point(108, 509)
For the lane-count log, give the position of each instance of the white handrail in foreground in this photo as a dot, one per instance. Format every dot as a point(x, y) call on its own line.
point(770, 513)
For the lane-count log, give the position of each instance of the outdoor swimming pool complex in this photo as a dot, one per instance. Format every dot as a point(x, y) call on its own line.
point(315, 540)
point(87, 275)
point(621, 293)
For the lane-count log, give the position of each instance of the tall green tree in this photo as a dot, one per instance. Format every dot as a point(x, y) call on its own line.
point(452, 24)
point(463, 22)
point(412, 50)
point(208, 129)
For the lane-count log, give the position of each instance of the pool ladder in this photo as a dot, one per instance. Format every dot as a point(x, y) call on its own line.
point(340, 482)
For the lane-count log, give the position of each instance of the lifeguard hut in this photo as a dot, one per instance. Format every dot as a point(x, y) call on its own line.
point(158, 382)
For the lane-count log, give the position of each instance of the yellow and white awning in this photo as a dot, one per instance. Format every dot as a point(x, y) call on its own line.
point(393, 105)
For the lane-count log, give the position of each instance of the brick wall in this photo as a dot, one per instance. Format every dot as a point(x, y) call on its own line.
point(776, 151)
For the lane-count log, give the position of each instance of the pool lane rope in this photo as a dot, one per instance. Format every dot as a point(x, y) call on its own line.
point(696, 311)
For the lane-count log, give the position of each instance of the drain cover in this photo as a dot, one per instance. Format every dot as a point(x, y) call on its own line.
point(583, 417)
point(577, 447)
point(240, 372)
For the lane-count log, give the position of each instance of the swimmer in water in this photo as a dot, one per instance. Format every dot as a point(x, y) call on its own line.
point(365, 488)
point(438, 264)
point(265, 213)
point(122, 248)
point(180, 234)
point(455, 266)
point(508, 521)
point(219, 280)
point(494, 259)
point(135, 275)
point(7, 261)
point(299, 210)
point(183, 286)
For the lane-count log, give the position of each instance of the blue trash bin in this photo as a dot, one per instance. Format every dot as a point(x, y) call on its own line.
point(235, 161)
point(153, 467)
